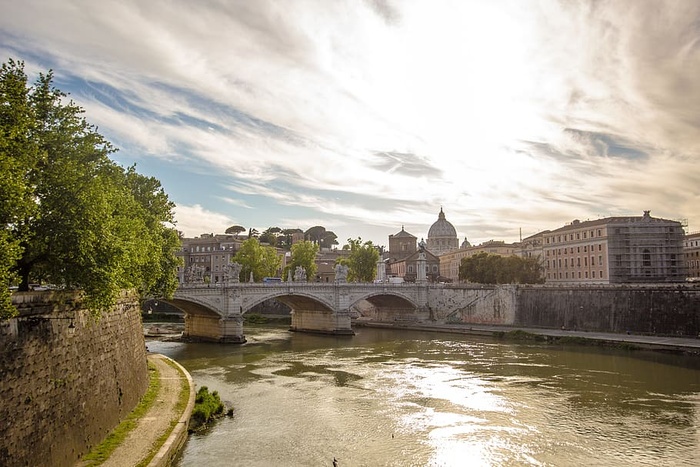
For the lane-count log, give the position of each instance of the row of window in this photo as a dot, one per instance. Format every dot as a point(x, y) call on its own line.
point(558, 251)
point(557, 263)
point(566, 275)
point(577, 235)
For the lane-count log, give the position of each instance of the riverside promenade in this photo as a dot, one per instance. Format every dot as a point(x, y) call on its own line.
point(665, 343)
point(164, 422)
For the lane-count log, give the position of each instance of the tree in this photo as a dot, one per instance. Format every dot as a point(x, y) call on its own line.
point(253, 232)
point(262, 261)
point(487, 268)
point(82, 221)
point(235, 230)
point(315, 234)
point(270, 236)
point(362, 261)
point(304, 255)
point(328, 239)
point(287, 236)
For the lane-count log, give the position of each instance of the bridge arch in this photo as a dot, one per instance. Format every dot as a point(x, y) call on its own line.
point(388, 305)
point(297, 300)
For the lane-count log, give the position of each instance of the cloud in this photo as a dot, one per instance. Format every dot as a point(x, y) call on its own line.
point(195, 220)
point(512, 114)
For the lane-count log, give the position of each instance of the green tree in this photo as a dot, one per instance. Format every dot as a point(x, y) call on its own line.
point(262, 261)
point(286, 238)
point(362, 261)
point(304, 255)
point(487, 268)
point(83, 221)
point(270, 236)
point(235, 230)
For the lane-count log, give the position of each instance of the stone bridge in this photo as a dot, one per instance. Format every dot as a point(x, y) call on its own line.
point(216, 313)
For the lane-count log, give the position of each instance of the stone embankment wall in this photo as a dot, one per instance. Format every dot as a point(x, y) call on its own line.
point(474, 304)
point(67, 378)
point(643, 309)
point(661, 309)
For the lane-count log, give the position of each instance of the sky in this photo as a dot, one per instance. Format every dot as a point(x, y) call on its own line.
point(366, 116)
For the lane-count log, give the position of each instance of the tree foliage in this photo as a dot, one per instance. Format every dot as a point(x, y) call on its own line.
point(362, 261)
point(319, 235)
point(304, 255)
point(69, 215)
point(270, 236)
point(487, 268)
point(235, 229)
point(261, 260)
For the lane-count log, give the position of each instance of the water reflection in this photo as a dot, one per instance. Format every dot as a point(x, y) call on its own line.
point(412, 398)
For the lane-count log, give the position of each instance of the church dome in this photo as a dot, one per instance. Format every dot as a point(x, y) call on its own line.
point(442, 236)
point(442, 228)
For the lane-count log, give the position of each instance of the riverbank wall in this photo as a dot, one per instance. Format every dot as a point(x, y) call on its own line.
point(68, 378)
point(663, 309)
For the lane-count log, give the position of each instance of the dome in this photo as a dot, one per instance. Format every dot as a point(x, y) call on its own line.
point(442, 228)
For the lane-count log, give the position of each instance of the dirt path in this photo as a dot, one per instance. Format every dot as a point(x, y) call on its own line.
point(139, 443)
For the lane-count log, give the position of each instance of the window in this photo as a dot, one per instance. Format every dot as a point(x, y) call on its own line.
point(585, 260)
point(599, 232)
point(592, 260)
point(600, 247)
point(578, 236)
point(593, 274)
point(646, 258)
point(600, 260)
point(586, 273)
point(410, 269)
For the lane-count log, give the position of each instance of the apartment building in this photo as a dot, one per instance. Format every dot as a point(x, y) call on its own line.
point(691, 253)
point(615, 250)
point(210, 252)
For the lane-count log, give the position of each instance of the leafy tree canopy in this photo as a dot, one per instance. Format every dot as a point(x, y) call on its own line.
point(362, 261)
point(487, 268)
point(304, 255)
point(69, 215)
point(261, 260)
point(270, 236)
point(235, 229)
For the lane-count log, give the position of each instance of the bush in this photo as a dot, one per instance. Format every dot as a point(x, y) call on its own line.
point(207, 407)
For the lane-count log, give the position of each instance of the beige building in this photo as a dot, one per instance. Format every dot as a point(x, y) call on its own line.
point(401, 259)
point(691, 252)
point(450, 261)
point(211, 252)
point(615, 250)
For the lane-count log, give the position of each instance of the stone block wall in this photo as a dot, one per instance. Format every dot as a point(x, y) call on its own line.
point(662, 309)
point(474, 304)
point(67, 379)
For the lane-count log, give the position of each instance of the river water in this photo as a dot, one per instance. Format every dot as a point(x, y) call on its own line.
point(410, 398)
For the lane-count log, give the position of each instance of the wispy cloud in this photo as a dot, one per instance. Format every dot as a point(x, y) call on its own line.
point(371, 115)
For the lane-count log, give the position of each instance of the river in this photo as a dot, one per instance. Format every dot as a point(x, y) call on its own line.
point(411, 398)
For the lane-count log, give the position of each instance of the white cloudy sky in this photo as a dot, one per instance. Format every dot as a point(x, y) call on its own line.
point(363, 116)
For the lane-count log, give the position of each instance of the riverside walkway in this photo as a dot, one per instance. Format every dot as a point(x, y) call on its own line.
point(158, 422)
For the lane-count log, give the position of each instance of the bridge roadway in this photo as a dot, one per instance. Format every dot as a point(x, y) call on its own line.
point(215, 313)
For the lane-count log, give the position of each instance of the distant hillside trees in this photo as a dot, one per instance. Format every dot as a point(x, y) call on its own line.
point(69, 215)
point(485, 268)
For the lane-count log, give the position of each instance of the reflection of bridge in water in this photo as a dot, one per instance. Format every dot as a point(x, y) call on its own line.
point(216, 313)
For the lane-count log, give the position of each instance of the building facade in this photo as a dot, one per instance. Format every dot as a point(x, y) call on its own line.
point(691, 252)
point(451, 260)
point(615, 250)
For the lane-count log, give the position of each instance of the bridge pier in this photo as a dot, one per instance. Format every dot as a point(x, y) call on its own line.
point(322, 322)
point(208, 328)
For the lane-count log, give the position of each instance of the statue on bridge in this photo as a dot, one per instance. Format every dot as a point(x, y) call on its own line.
point(232, 272)
point(341, 273)
point(300, 274)
point(194, 274)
